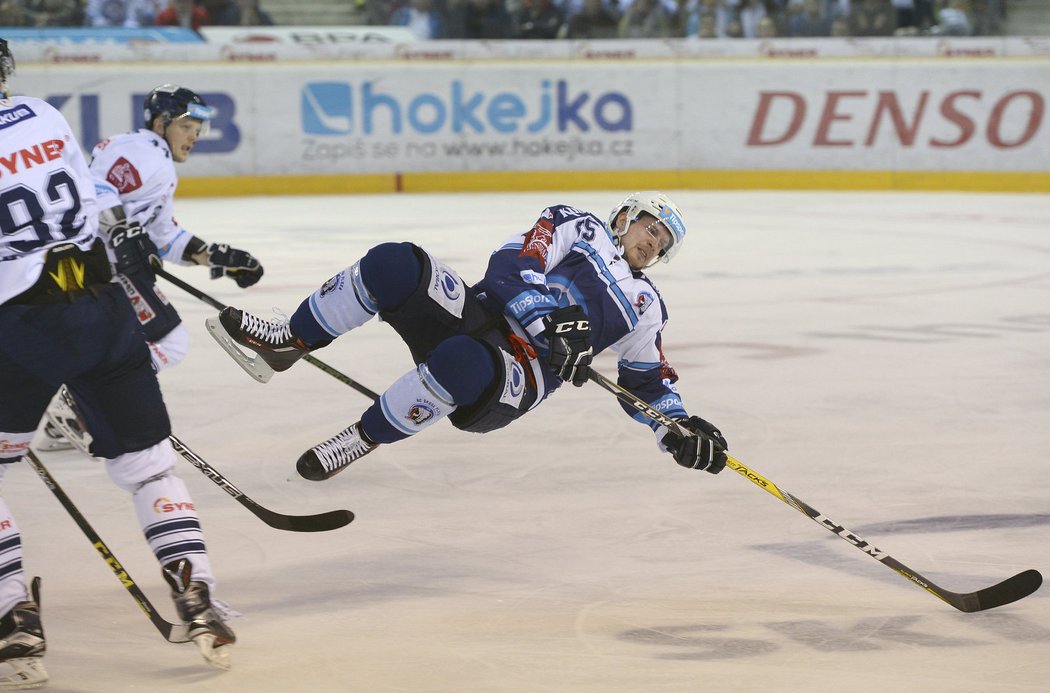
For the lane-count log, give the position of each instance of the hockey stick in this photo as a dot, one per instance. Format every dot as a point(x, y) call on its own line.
point(172, 632)
point(322, 522)
point(1005, 592)
point(219, 305)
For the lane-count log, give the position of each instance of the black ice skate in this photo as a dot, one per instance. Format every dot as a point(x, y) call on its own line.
point(272, 340)
point(22, 645)
point(206, 627)
point(327, 459)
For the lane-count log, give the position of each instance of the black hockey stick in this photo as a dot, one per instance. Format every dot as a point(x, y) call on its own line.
point(1007, 591)
point(321, 522)
point(219, 305)
point(172, 632)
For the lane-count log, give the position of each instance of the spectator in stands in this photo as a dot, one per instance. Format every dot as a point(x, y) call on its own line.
point(952, 19)
point(706, 19)
point(808, 19)
point(872, 18)
point(595, 20)
point(125, 13)
point(249, 13)
point(646, 19)
point(421, 18)
point(479, 19)
point(767, 27)
point(183, 13)
point(41, 13)
point(537, 19)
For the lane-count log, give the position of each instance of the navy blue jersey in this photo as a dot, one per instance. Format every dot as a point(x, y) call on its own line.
point(569, 257)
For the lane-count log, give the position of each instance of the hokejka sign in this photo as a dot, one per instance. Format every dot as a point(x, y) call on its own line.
point(742, 119)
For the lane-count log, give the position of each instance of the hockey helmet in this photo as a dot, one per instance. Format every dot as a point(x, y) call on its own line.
point(7, 66)
point(661, 208)
point(171, 102)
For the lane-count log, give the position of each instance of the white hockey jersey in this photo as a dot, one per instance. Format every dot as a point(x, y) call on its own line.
point(46, 193)
point(135, 169)
point(569, 257)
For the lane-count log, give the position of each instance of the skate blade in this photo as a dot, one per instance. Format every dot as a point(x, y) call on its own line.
point(253, 366)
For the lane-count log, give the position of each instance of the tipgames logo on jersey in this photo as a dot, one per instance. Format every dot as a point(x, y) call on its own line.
point(341, 108)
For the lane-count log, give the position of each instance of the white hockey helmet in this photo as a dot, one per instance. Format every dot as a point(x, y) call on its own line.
point(660, 207)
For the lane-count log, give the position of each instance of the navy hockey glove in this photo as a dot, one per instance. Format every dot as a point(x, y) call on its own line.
point(135, 251)
point(238, 265)
point(568, 333)
point(706, 451)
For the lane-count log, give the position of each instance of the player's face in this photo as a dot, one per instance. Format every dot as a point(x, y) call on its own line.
point(645, 239)
point(181, 135)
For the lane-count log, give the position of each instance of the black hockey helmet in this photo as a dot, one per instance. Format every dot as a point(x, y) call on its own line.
point(171, 102)
point(7, 66)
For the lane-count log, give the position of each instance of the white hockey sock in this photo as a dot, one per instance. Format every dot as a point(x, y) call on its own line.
point(415, 401)
point(343, 303)
point(12, 577)
point(169, 521)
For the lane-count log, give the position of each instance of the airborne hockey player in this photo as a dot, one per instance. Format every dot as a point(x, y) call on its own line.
point(552, 297)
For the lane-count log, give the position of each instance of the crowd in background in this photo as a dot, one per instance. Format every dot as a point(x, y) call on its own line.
point(551, 19)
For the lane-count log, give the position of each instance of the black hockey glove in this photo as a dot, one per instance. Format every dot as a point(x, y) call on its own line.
point(238, 265)
point(568, 333)
point(133, 248)
point(706, 452)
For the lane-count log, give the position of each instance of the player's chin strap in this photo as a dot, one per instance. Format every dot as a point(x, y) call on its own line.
point(1005, 592)
point(257, 365)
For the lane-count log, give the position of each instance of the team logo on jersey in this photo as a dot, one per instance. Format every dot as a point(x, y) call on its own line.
point(450, 285)
point(420, 413)
point(123, 176)
point(644, 300)
point(538, 240)
point(331, 285)
point(12, 116)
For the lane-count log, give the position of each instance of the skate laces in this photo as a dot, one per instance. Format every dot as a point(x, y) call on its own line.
point(342, 449)
point(269, 331)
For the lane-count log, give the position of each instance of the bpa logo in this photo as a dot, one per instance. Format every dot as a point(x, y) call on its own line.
point(327, 108)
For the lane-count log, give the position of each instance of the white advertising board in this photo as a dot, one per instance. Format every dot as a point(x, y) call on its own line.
point(289, 119)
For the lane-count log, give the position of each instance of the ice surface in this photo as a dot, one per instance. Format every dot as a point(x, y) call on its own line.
point(884, 357)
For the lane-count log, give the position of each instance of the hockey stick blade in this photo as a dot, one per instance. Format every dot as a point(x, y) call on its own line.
point(321, 522)
point(253, 366)
point(1006, 592)
point(172, 632)
point(1010, 590)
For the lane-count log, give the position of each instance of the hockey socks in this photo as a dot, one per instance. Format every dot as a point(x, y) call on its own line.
point(171, 526)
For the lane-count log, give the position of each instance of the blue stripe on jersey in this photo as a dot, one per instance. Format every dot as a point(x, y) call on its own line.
point(639, 365)
point(614, 290)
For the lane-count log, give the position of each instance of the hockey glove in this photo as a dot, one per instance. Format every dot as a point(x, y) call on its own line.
point(705, 451)
point(568, 333)
point(238, 265)
point(133, 248)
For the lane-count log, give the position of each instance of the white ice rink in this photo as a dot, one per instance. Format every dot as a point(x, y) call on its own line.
point(884, 357)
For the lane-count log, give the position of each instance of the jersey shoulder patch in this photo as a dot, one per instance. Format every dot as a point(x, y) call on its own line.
point(123, 176)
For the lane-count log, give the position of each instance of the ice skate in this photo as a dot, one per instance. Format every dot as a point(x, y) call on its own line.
point(327, 459)
point(22, 645)
point(206, 627)
point(51, 439)
point(64, 427)
point(277, 348)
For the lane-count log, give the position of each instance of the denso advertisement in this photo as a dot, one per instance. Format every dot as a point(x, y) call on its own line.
point(579, 116)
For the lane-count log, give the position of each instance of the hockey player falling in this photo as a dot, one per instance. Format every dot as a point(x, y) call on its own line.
point(63, 321)
point(551, 298)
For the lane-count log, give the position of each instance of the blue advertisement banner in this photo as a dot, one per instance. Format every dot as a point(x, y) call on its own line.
point(102, 35)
